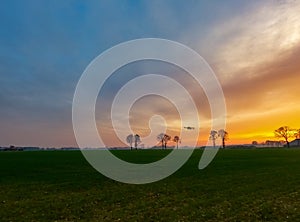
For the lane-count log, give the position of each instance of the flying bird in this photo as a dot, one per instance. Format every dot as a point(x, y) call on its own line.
point(189, 128)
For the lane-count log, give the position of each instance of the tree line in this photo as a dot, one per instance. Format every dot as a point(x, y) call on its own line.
point(284, 132)
point(163, 139)
point(135, 140)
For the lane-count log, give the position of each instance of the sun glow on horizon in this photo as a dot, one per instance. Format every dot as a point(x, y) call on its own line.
point(253, 48)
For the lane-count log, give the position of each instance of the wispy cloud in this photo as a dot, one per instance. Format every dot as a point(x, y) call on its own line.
point(268, 32)
point(254, 48)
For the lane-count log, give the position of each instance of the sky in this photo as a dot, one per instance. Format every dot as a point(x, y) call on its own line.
point(253, 48)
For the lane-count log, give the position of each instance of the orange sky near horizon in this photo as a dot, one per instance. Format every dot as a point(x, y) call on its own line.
point(259, 70)
point(252, 47)
point(260, 73)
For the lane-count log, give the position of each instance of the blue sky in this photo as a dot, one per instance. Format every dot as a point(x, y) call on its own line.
point(46, 45)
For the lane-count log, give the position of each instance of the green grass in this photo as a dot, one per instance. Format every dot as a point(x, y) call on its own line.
point(239, 185)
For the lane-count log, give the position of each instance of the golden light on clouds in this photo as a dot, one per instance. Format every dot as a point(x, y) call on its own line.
point(253, 47)
point(263, 35)
point(259, 69)
point(256, 58)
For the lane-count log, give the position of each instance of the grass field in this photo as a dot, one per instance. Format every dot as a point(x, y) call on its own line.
point(239, 185)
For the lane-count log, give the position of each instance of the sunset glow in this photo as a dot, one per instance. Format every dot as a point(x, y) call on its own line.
point(253, 48)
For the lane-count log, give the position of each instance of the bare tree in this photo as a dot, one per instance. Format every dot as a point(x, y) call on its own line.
point(297, 133)
point(213, 137)
point(224, 136)
point(163, 139)
point(284, 132)
point(254, 143)
point(160, 138)
point(137, 140)
point(176, 139)
point(166, 139)
point(129, 140)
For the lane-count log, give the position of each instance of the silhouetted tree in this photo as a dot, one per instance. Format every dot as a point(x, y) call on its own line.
point(163, 139)
point(166, 139)
point(284, 132)
point(254, 143)
point(137, 140)
point(176, 139)
point(129, 140)
point(160, 138)
point(213, 136)
point(224, 136)
point(297, 133)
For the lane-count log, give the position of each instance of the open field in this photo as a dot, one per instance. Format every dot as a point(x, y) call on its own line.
point(239, 185)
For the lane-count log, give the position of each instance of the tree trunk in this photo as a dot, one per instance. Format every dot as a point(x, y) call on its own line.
point(223, 140)
point(288, 144)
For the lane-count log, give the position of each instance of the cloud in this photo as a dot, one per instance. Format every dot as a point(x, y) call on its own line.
point(253, 48)
point(255, 53)
point(267, 32)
